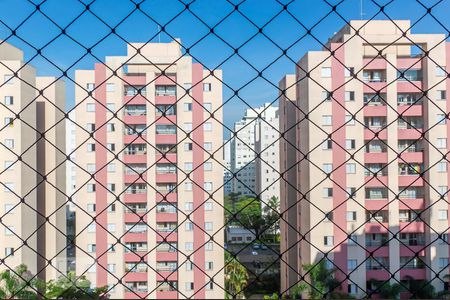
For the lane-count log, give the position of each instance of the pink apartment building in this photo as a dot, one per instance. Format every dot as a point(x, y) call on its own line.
point(147, 133)
point(372, 191)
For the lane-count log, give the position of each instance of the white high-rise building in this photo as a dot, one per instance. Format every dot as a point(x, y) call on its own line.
point(243, 148)
point(227, 174)
point(267, 166)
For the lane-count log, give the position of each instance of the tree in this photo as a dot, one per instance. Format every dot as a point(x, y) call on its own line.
point(250, 215)
point(74, 287)
point(230, 207)
point(322, 282)
point(20, 284)
point(272, 215)
point(386, 290)
point(236, 277)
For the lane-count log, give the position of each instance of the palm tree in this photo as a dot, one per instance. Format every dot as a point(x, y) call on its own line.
point(236, 277)
point(20, 284)
point(322, 282)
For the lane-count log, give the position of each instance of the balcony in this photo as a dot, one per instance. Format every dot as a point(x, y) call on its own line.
point(375, 111)
point(166, 217)
point(134, 79)
point(167, 120)
point(135, 295)
point(378, 274)
point(376, 228)
point(370, 134)
point(135, 256)
point(165, 80)
point(136, 276)
point(412, 227)
point(377, 157)
point(130, 217)
point(410, 180)
point(409, 134)
point(167, 158)
point(374, 63)
point(135, 198)
point(132, 120)
point(417, 274)
point(135, 99)
point(135, 159)
point(410, 110)
point(167, 294)
point(135, 237)
point(379, 181)
point(411, 157)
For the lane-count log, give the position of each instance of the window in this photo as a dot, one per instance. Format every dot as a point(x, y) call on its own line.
point(209, 246)
point(351, 216)
point(90, 127)
point(327, 120)
point(444, 238)
point(208, 206)
point(207, 106)
point(328, 192)
point(9, 187)
point(90, 147)
point(328, 240)
point(9, 121)
point(90, 168)
point(189, 206)
point(112, 207)
point(9, 143)
point(8, 78)
point(440, 71)
point(9, 165)
point(441, 95)
point(90, 87)
point(207, 146)
point(351, 264)
point(441, 119)
point(188, 226)
point(111, 187)
point(91, 227)
point(91, 247)
point(441, 143)
point(9, 208)
point(349, 71)
point(352, 288)
point(329, 216)
point(327, 145)
point(9, 100)
point(326, 96)
point(350, 144)
point(110, 87)
point(442, 214)
point(189, 266)
point(207, 126)
point(111, 227)
point(9, 230)
point(350, 96)
point(189, 286)
point(208, 226)
point(9, 251)
point(110, 127)
point(327, 168)
point(350, 168)
point(349, 120)
point(188, 186)
point(187, 106)
point(442, 190)
point(326, 72)
point(441, 167)
point(188, 127)
point(210, 286)
point(443, 262)
point(90, 107)
point(209, 265)
point(112, 268)
point(188, 246)
point(187, 86)
point(111, 168)
point(208, 186)
point(111, 107)
point(352, 240)
point(188, 166)
point(90, 187)
point(207, 166)
point(187, 146)
point(91, 207)
point(111, 146)
point(207, 87)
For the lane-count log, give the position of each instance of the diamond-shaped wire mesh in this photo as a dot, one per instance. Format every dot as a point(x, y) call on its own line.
point(224, 149)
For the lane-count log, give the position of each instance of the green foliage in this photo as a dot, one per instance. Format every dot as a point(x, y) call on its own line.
point(73, 287)
point(387, 290)
point(21, 284)
point(236, 277)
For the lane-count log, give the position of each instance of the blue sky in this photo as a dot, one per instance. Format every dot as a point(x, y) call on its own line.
point(211, 51)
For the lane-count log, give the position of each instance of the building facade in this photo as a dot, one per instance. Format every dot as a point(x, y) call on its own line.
point(370, 176)
point(148, 178)
point(33, 169)
point(267, 163)
point(243, 148)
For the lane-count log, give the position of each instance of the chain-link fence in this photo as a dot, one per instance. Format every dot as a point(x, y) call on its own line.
point(211, 149)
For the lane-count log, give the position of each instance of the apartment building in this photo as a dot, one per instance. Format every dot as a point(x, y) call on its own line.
point(267, 164)
point(243, 148)
point(227, 175)
point(33, 170)
point(370, 171)
point(150, 175)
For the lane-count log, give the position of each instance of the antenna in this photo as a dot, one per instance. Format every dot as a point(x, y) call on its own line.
point(361, 11)
point(159, 34)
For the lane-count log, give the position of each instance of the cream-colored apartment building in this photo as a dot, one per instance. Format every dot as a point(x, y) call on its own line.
point(372, 191)
point(32, 175)
point(145, 124)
